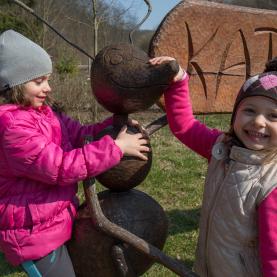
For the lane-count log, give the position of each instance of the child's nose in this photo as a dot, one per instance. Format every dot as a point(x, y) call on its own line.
point(260, 120)
point(47, 87)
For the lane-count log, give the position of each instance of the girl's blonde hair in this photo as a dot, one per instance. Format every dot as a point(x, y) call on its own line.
point(15, 95)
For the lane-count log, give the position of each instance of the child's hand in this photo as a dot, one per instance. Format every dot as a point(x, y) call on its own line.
point(132, 144)
point(162, 59)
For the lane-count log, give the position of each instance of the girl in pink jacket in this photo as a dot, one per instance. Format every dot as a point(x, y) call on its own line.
point(238, 225)
point(41, 160)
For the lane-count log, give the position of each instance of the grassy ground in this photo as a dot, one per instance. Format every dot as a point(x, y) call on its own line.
point(176, 182)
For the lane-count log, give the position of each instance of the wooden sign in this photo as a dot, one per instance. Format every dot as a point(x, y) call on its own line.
point(219, 45)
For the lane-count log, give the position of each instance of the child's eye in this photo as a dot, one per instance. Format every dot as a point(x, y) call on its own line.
point(38, 81)
point(249, 111)
point(273, 116)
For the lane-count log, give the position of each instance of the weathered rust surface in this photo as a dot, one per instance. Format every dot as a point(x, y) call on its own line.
point(219, 45)
point(135, 211)
point(130, 172)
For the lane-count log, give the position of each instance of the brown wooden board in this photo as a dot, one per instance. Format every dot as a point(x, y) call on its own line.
point(219, 45)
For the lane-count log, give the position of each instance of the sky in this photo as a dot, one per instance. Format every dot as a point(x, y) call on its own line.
point(159, 9)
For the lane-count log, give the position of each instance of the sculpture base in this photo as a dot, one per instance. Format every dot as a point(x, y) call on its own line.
point(92, 252)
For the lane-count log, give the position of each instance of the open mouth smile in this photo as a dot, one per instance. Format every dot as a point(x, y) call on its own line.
point(257, 135)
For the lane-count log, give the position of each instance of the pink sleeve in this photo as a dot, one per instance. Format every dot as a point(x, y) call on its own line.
point(78, 131)
point(267, 224)
point(194, 134)
point(31, 154)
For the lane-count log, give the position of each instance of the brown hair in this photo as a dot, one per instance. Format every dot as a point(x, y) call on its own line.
point(15, 95)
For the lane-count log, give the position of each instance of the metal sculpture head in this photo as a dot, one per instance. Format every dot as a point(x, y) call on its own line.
point(124, 82)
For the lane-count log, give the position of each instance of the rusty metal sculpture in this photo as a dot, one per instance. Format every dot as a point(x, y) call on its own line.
point(132, 210)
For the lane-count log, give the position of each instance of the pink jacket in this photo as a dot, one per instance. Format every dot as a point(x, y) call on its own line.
point(200, 139)
point(41, 161)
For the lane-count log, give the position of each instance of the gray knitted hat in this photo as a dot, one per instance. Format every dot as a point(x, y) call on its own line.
point(21, 60)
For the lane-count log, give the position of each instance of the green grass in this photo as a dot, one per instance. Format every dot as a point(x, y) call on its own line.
point(176, 183)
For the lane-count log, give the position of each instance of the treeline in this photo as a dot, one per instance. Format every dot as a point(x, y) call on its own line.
point(90, 24)
point(260, 4)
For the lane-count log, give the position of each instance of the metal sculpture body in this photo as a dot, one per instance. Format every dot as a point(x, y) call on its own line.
point(130, 209)
point(95, 253)
point(123, 93)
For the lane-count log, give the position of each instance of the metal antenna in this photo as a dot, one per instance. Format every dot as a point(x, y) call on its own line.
point(147, 2)
point(25, 7)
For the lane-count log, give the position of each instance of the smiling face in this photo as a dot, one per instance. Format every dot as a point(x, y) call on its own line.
point(36, 91)
point(256, 123)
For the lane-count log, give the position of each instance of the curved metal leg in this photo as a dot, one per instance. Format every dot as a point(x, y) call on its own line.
point(102, 224)
point(124, 268)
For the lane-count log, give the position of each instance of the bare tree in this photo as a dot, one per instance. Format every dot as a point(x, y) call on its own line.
point(106, 19)
point(19, 20)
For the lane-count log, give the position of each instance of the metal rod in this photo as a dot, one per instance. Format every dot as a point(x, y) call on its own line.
point(156, 125)
point(147, 2)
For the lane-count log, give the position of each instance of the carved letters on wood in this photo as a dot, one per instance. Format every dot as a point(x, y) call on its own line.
point(219, 45)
